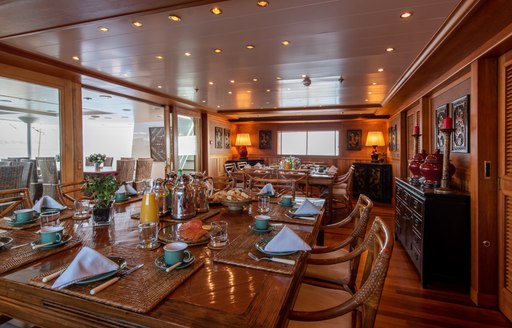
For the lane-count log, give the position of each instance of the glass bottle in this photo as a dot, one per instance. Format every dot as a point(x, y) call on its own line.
point(149, 206)
point(161, 196)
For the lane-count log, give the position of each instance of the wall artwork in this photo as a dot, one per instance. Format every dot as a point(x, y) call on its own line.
point(441, 114)
point(460, 116)
point(354, 139)
point(265, 139)
point(218, 137)
point(227, 138)
point(157, 144)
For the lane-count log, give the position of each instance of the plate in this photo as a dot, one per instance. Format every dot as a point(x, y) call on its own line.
point(160, 262)
point(253, 228)
point(170, 234)
point(260, 246)
point(64, 240)
point(118, 260)
point(20, 224)
point(5, 241)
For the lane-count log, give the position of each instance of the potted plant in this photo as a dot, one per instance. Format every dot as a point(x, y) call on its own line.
point(97, 159)
point(102, 189)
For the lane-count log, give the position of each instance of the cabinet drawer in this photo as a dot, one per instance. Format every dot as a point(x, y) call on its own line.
point(417, 224)
point(416, 205)
point(417, 241)
point(416, 258)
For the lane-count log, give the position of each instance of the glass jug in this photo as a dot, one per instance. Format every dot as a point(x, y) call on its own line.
point(161, 196)
point(149, 205)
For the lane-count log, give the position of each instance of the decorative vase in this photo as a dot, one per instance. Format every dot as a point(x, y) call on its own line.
point(98, 166)
point(432, 170)
point(414, 166)
point(102, 215)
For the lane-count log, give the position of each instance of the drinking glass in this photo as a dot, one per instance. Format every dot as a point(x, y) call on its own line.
point(148, 235)
point(219, 234)
point(49, 220)
point(82, 209)
point(263, 204)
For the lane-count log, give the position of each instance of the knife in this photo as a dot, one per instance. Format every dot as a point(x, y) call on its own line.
point(114, 280)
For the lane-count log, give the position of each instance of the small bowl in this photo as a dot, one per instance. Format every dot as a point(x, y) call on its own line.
point(235, 205)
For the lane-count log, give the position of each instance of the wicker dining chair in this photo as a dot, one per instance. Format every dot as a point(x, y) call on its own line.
point(12, 199)
point(49, 175)
point(342, 189)
point(67, 193)
point(317, 306)
point(125, 170)
point(11, 177)
point(109, 161)
point(344, 273)
point(142, 172)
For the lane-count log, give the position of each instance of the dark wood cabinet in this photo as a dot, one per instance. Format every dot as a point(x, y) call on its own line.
point(435, 231)
point(373, 180)
point(251, 162)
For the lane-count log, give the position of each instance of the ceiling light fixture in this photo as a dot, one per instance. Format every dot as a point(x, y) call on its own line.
point(137, 24)
point(217, 51)
point(278, 78)
point(188, 54)
point(406, 14)
point(374, 83)
point(390, 49)
point(255, 80)
point(175, 18)
point(262, 3)
point(341, 79)
point(210, 83)
point(230, 92)
point(268, 90)
point(285, 43)
point(232, 81)
point(76, 58)
point(159, 86)
point(87, 98)
point(105, 96)
point(216, 11)
point(250, 46)
point(103, 29)
point(306, 81)
point(380, 70)
point(159, 57)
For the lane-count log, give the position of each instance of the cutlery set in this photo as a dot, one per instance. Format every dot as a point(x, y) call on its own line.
point(273, 259)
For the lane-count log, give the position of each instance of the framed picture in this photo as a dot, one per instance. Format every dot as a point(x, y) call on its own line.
point(354, 139)
point(218, 137)
point(265, 139)
point(391, 147)
point(441, 114)
point(460, 116)
point(227, 138)
point(394, 138)
point(157, 144)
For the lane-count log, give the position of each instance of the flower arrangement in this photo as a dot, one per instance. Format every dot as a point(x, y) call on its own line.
point(97, 158)
point(102, 188)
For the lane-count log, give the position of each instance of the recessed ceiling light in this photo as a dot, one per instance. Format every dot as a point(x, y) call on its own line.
point(230, 92)
point(159, 87)
point(232, 81)
point(188, 54)
point(380, 70)
point(95, 116)
point(137, 24)
point(217, 51)
point(390, 49)
point(262, 3)
point(366, 100)
point(285, 43)
point(218, 106)
point(204, 101)
point(304, 75)
point(126, 109)
point(103, 29)
point(175, 18)
point(278, 78)
point(268, 90)
point(255, 80)
point(210, 83)
point(369, 92)
point(5, 100)
point(406, 14)
point(105, 96)
point(374, 83)
point(87, 98)
point(216, 11)
point(76, 58)
point(159, 57)
point(250, 46)
point(249, 91)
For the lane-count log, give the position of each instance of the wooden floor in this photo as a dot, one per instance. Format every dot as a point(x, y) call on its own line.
point(406, 304)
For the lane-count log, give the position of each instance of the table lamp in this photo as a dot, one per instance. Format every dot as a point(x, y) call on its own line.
point(374, 139)
point(243, 140)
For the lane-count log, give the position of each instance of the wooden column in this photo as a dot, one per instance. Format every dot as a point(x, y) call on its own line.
point(204, 143)
point(484, 216)
point(174, 139)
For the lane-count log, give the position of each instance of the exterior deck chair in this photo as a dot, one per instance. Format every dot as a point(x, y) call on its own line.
point(12, 199)
point(49, 175)
point(109, 161)
point(142, 172)
point(125, 170)
point(317, 306)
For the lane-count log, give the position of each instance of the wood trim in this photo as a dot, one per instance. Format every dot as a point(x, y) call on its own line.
point(403, 145)
point(294, 109)
point(310, 118)
point(204, 142)
point(168, 134)
point(174, 138)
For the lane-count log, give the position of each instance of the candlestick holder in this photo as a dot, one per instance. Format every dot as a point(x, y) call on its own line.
point(414, 163)
point(445, 179)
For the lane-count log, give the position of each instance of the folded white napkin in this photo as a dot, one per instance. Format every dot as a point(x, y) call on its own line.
point(267, 189)
point(127, 189)
point(332, 170)
point(87, 263)
point(307, 208)
point(257, 165)
point(287, 241)
point(248, 166)
point(47, 202)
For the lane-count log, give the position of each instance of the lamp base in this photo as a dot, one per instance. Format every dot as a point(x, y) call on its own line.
point(243, 152)
point(375, 158)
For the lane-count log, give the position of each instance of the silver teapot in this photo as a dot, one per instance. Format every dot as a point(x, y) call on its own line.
point(203, 186)
point(183, 200)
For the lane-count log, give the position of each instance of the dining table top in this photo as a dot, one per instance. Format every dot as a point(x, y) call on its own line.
point(224, 287)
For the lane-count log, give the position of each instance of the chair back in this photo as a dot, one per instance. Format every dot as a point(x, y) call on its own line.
point(229, 168)
point(109, 161)
point(48, 167)
point(142, 172)
point(11, 177)
point(26, 176)
point(11, 199)
point(240, 165)
point(67, 193)
point(125, 170)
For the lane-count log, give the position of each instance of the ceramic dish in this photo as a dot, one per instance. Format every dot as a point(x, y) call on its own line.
point(118, 260)
point(20, 224)
point(253, 228)
point(64, 240)
point(5, 241)
point(160, 263)
point(260, 246)
point(291, 205)
point(235, 205)
point(171, 233)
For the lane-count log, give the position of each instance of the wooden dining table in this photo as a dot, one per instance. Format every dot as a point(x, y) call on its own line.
point(219, 290)
point(93, 171)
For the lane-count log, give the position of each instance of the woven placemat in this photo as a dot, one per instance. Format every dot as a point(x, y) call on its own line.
point(13, 258)
point(64, 215)
point(236, 252)
point(140, 291)
point(168, 218)
point(131, 199)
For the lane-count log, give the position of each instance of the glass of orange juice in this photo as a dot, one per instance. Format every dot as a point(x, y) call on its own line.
point(149, 208)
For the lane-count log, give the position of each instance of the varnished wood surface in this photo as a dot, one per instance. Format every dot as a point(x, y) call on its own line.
point(405, 304)
point(217, 295)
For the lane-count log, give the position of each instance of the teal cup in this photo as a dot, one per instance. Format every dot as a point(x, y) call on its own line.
point(120, 196)
point(24, 215)
point(51, 235)
point(286, 200)
point(176, 252)
point(261, 222)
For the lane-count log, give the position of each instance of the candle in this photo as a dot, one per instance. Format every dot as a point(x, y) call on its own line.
point(416, 130)
point(447, 123)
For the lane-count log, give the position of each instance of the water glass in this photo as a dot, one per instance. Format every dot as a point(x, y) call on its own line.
point(219, 234)
point(148, 235)
point(82, 209)
point(49, 220)
point(263, 204)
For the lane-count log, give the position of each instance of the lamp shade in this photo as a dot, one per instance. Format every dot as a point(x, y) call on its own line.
point(375, 138)
point(243, 139)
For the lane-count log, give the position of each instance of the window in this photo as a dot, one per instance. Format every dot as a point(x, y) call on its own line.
point(314, 143)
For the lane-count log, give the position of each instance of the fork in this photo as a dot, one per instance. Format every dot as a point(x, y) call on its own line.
point(274, 259)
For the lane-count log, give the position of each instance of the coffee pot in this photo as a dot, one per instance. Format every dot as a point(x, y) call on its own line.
point(203, 186)
point(183, 200)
